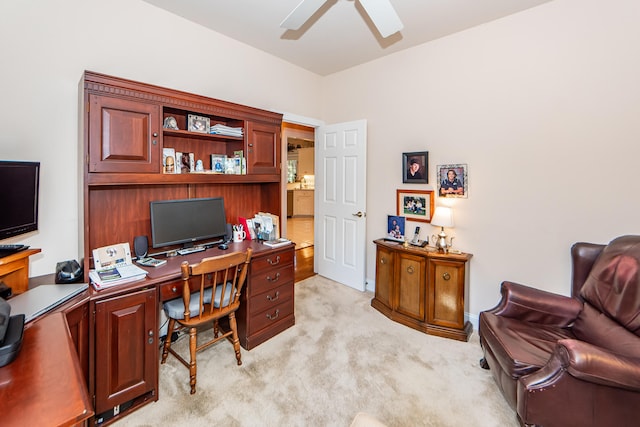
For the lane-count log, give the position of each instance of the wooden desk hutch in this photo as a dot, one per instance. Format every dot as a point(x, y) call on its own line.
point(123, 141)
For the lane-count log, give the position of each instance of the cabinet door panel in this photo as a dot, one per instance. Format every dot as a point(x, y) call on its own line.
point(411, 286)
point(126, 348)
point(384, 276)
point(123, 135)
point(263, 148)
point(446, 295)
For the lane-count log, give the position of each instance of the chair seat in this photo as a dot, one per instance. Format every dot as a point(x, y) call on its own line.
point(175, 307)
point(520, 347)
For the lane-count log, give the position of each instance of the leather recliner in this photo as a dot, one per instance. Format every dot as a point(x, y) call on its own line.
point(571, 361)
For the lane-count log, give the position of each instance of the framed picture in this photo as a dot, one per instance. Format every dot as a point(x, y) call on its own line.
point(395, 227)
point(415, 205)
point(198, 123)
point(453, 181)
point(415, 167)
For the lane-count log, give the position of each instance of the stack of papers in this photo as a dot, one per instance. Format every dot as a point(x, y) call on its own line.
point(114, 267)
point(226, 130)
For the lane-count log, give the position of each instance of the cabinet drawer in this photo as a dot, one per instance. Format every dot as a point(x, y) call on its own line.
point(276, 259)
point(270, 279)
point(271, 298)
point(273, 315)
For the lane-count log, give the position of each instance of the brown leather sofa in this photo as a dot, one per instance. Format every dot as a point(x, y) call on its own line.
point(571, 361)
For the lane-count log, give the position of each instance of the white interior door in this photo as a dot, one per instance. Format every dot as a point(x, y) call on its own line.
point(340, 216)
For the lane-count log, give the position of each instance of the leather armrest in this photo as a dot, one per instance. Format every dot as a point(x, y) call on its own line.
point(535, 305)
point(597, 365)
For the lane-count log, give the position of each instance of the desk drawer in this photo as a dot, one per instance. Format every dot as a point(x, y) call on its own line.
point(268, 318)
point(270, 279)
point(273, 260)
point(271, 298)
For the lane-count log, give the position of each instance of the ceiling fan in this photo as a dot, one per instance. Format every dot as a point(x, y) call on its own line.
point(381, 12)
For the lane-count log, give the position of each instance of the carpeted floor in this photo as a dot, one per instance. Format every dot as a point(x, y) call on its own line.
point(342, 357)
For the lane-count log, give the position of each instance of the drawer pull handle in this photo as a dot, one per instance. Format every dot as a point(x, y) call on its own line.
point(446, 276)
point(174, 289)
point(276, 262)
point(383, 261)
point(410, 270)
point(274, 298)
point(274, 279)
point(270, 317)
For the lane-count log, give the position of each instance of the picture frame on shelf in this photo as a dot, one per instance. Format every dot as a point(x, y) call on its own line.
point(415, 205)
point(415, 167)
point(199, 124)
point(395, 227)
point(453, 181)
point(168, 160)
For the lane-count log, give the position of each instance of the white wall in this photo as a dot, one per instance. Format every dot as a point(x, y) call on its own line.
point(46, 46)
point(543, 107)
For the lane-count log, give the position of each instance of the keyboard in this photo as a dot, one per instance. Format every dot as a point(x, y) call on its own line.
point(6, 250)
point(187, 251)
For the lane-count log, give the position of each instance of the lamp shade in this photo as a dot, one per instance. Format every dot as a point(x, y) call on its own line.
point(442, 217)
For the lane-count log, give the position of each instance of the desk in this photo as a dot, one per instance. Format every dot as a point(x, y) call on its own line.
point(44, 385)
point(14, 270)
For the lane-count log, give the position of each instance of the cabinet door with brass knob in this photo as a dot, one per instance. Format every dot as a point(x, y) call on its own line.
point(384, 276)
point(411, 286)
point(446, 293)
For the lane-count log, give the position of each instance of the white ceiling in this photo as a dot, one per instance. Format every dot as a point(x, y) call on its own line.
point(340, 35)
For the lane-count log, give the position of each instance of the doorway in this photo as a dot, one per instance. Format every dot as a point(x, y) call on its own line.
point(300, 143)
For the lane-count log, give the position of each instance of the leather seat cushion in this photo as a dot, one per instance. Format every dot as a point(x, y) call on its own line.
point(175, 307)
point(520, 347)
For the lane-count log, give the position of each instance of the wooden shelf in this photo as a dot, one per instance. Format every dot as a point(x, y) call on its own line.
point(198, 135)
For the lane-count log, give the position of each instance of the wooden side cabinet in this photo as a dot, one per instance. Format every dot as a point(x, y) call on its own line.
point(126, 353)
point(422, 289)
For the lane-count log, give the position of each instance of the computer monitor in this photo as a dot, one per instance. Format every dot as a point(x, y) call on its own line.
point(18, 197)
point(187, 221)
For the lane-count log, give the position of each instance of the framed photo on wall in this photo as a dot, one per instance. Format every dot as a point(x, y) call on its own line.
point(395, 227)
point(415, 205)
point(453, 181)
point(415, 167)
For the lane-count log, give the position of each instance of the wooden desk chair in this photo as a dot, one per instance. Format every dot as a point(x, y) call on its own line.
point(210, 291)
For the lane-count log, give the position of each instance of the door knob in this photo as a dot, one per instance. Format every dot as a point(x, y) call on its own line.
point(358, 214)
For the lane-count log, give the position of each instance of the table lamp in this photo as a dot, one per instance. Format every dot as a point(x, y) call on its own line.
point(442, 217)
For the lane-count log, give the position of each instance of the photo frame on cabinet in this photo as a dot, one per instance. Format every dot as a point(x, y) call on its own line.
point(415, 167)
point(453, 181)
point(415, 205)
point(395, 228)
point(198, 123)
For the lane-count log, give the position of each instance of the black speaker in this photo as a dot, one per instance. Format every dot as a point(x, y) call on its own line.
point(229, 235)
point(140, 246)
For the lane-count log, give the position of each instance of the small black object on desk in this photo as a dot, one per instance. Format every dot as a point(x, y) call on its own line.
point(223, 246)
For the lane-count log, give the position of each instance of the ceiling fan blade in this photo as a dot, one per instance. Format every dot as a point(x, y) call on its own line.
point(383, 15)
point(301, 14)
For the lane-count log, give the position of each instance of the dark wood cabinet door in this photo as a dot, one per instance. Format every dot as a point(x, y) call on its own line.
point(384, 276)
point(411, 286)
point(126, 353)
point(263, 148)
point(446, 293)
point(78, 322)
point(124, 135)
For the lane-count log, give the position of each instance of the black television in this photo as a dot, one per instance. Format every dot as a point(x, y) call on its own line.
point(187, 221)
point(19, 187)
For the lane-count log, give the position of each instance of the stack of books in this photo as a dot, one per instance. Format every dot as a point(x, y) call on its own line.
point(226, 130)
